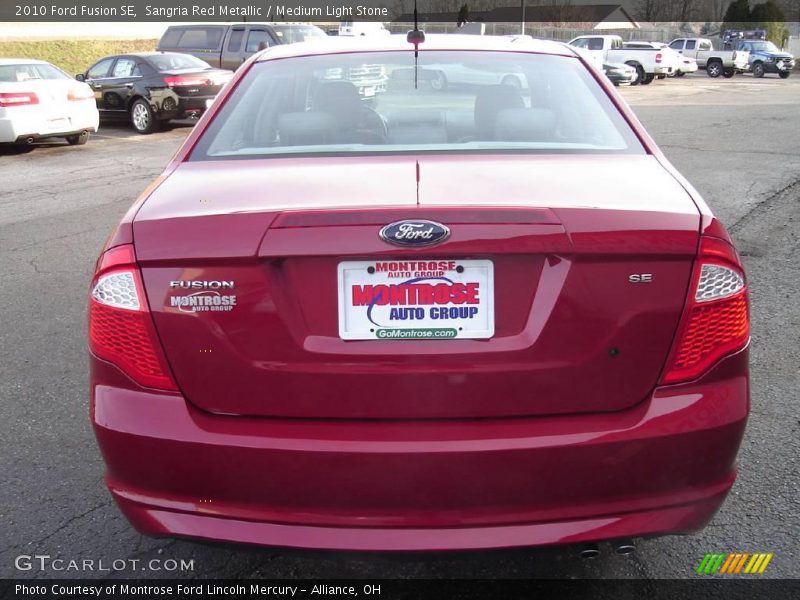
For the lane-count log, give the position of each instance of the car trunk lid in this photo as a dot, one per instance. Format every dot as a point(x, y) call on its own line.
point(590, 257)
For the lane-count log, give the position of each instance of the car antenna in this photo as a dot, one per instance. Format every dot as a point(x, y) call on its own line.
point(416, 36)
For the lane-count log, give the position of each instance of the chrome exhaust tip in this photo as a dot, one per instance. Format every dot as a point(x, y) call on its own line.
point(589, 551)
point(624, 547)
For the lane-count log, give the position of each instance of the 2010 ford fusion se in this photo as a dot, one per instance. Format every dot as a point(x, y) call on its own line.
point(419, 316)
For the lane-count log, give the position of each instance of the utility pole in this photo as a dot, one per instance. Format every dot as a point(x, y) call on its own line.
point(522, 19)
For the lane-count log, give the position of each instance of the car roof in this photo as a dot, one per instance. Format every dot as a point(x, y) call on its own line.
point(22, 61)
point(346, 44)
point(147, 54)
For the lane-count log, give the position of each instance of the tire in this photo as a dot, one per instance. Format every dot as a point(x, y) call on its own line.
point(679, 73)
point(79, 139)
point(648, 79)
point(728, 73)
point(662, 76)
point(142, 117)
point(639, 72)
point(439, 82)
point(714, 68)
point(784, 74)
point(513, 81)
point(758, 70)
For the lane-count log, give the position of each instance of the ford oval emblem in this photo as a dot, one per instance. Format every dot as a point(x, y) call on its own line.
point(415, 232)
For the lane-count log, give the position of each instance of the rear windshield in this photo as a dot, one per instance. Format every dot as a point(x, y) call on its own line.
point(176, 62)
point(451, 102)
point(27, 72)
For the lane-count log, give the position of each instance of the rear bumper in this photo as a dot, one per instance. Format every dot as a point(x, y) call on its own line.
point(33, 124)
point(663, 467)
point(181, 107)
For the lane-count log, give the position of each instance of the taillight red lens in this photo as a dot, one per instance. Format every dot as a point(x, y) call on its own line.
point(716, 320)
point(185, 80)
point(658, 58)
point(9, 99)
point(121, 328)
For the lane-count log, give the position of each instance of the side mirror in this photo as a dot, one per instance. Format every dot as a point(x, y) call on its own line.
point(80, 77)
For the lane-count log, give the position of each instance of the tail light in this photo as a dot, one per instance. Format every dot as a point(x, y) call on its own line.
point(80, 93)
point(658, 58)
point(186, 80)
point(8, 99)
point(715, 321)
point(121, 328)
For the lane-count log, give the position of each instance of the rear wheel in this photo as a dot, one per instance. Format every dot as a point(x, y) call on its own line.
point(679, 73)
point(661, 76)
point(648, 79)
point(639, 72)
point(142, 117)
point(758, 70)
point(714, 68)
point(728, 73)
point(79, 139)
point(784, 74)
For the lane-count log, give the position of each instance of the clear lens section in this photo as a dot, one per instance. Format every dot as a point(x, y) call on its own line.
point(117, 290)
point(717, 282)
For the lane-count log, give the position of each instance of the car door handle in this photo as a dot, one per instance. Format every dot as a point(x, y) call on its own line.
point(128, 85)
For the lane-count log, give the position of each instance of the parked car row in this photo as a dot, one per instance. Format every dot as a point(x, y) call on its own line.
point(38, 101)
point(653, 60)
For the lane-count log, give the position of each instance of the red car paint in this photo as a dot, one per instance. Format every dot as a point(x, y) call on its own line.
point(260, 425)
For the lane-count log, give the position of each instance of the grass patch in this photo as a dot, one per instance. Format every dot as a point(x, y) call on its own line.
point(73, 56)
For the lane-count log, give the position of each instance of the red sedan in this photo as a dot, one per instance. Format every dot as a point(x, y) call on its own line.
point(419, 317)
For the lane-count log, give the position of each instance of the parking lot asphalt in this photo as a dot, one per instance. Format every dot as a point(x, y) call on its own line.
point(738, 142)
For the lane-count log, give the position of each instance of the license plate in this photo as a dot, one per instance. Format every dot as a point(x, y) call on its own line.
point(57, 124)
point(430, 299)
point(369, 92)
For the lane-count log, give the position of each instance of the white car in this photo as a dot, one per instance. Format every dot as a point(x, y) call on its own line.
point(685, 64)
point(688, 65)
point(669, 57)
point(465, 74)
point(39, 101)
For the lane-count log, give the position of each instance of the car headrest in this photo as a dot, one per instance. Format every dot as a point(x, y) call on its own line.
point(525, 125)
point(340, 98)
point(489, 101)
point(306, 128)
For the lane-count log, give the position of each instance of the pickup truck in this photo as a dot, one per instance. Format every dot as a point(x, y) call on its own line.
point(716, 62)
point(648, 62)
point(766, 57)
point(671, 59)
point(227, 46)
